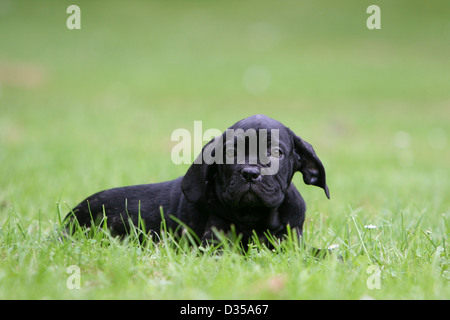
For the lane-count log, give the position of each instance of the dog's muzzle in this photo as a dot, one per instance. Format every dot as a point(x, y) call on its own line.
point(251, 174)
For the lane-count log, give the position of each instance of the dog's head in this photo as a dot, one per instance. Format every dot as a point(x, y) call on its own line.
point(252, 164)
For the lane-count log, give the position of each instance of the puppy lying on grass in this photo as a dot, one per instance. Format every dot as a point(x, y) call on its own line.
point(241, 181)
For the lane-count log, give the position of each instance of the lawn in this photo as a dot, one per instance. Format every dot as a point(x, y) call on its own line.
point(90, 109)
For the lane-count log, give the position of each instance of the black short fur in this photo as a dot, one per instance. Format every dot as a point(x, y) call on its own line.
point(218, 196)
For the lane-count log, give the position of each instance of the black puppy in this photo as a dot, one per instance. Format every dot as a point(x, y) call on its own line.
point(242, 179)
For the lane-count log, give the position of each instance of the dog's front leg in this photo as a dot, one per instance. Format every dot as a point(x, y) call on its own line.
point(213, 227)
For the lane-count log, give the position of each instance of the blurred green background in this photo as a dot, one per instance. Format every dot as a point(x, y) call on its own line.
point(84, 110)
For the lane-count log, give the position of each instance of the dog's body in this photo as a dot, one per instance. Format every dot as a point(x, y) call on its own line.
point(219, 195)
point(140, 202)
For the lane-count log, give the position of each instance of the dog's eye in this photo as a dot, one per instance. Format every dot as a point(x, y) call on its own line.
point(230, 152)
point(276, 152)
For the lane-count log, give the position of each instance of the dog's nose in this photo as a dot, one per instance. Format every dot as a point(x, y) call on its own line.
point(251, 174)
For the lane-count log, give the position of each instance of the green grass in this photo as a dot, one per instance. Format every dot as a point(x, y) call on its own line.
point(82, 111)
point(412, 261)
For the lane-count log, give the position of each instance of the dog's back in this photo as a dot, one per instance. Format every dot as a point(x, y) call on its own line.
point(139, 204)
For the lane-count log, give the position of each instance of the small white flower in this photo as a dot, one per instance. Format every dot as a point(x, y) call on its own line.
point(370, 226)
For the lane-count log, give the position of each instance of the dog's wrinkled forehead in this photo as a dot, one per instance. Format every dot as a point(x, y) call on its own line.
point(260, 121)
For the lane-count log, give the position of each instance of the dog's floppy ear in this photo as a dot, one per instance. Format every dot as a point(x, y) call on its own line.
point(307, 162)
point(199, 173)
